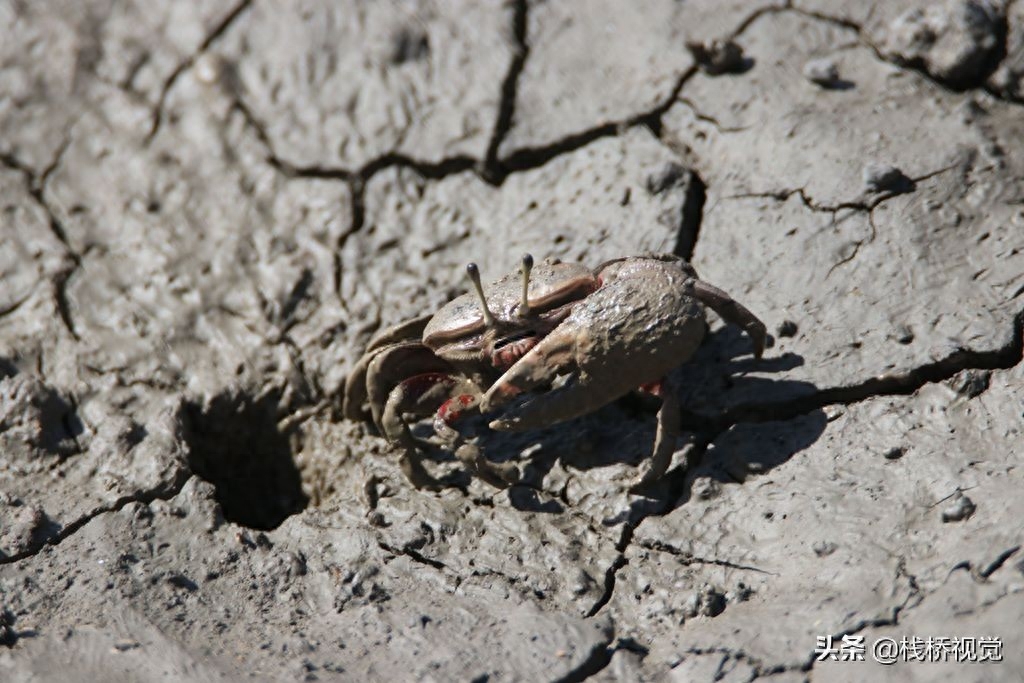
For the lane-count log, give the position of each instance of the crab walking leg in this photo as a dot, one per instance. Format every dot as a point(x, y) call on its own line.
point(419, 395)
point(392, 365)
point(499, 475)
point(355, 383)
point(731, 312)
point(667, 434)
point(353, 407)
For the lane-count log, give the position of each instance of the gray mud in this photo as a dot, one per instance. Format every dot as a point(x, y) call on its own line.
point(208, 209)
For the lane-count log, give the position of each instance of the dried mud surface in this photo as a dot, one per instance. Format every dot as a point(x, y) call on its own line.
point(208, 209)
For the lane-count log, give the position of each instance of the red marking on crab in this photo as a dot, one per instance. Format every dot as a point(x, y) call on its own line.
point(417, 385)
point(506, 356)
point(450, 413)
point(652, 388)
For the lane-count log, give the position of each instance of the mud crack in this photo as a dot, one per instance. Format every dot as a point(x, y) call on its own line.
point(35, 184)
point(866, 202)
point(913, 599)
point(997, 563)
point(760, 668)
point(895, 384)
point(687, 558)
point(917, 65)
point(493, 168)
point(413, 555)
point(164, 492)
point(219, 30)
point(611, 573)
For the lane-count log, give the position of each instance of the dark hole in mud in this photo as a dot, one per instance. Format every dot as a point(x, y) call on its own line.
point(235, 444)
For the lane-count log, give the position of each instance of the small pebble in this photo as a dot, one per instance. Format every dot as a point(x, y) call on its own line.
point(959, 509)
point(894, 453)
point(705, 488)
point(208, 68)
point(787, 328)
point(823, 72)
point(972, 383)
point(719, 57)
point(124, 645)
point(671, 175)
point(834, 412)
point(886, 178)
point(708, 601)
point(824, 548)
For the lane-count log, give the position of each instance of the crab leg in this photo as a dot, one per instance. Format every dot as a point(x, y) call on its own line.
point(731, 312)
point(420, 395)
point(499, 475)
point(667, 434)
point(392, 365)
point(355, 383)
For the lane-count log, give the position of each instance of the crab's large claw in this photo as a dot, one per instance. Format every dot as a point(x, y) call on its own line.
point(639, 325)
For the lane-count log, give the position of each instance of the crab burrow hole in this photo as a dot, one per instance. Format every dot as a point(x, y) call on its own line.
point(235, 443)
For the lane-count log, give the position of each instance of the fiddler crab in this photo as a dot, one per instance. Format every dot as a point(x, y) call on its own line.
point(620, 327)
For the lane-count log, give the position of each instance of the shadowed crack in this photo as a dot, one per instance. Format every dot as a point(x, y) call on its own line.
point(709, 429)
point(760, 668)
point(597, 659)
point(63, 305)
point(613, 569)
point(982, 574)
point(893, 384)
point(763, 669)
point(676, 488)
point(413, 555)
point(219, 30)
point(701, 116)
point(997, 563)
point(491, 167)
point(692, 218)
point(687, 558)
point(866, 202)
point(528, 158)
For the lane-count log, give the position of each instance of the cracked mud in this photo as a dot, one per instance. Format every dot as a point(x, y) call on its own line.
point(209, 208)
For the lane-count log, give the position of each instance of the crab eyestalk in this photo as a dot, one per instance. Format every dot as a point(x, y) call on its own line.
point(524, 305)
point(474, 276)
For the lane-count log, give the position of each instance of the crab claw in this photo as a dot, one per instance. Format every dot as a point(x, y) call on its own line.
point(639, 325)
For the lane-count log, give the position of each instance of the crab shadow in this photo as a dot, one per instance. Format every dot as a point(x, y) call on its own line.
point(724, 392)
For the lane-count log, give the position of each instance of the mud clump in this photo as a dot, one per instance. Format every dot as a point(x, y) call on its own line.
point(958, 43)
